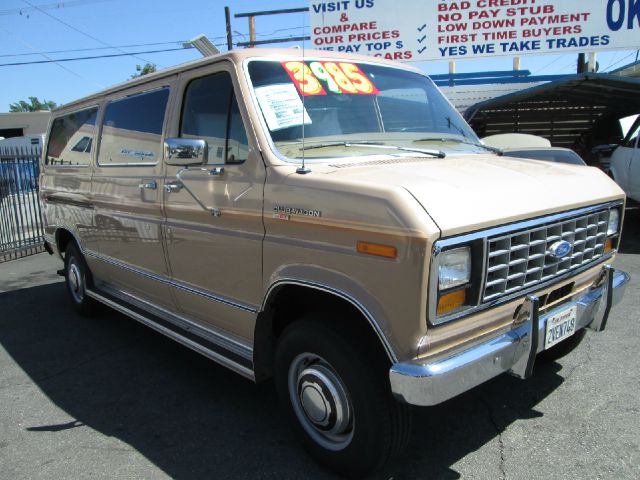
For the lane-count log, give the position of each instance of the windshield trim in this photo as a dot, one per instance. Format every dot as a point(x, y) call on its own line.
point(278, 58)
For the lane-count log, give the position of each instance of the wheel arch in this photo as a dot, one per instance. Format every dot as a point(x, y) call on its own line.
point(290, 299)
point(63, 237)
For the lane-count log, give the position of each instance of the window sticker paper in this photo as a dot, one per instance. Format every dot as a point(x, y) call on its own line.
point(282, 107)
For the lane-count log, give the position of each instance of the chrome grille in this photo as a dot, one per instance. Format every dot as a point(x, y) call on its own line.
point(520, 259)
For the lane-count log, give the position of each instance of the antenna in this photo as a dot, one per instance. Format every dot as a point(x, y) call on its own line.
point(303, 170)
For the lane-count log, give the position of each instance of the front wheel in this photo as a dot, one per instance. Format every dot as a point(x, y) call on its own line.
point(337, 397)
point(76, 275)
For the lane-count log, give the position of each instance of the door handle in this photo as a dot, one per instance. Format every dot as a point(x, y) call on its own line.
point(173, 187)
point(150, 185)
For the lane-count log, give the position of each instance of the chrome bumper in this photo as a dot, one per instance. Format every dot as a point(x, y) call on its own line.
point(420, 383)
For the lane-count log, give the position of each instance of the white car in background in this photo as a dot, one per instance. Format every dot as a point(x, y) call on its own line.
point(533, 147)
point(625, 163)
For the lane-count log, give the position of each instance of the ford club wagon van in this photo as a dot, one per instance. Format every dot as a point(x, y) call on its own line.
point(330, 222)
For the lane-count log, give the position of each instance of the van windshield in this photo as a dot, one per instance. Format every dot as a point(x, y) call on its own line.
point(330, 109)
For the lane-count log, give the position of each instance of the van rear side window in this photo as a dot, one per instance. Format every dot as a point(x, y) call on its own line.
point(71, 139)
point(132, 129)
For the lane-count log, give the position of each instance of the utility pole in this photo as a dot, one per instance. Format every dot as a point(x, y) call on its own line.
point(251, 17)
point(227, 16)
point(582, 64)
point(252, 30)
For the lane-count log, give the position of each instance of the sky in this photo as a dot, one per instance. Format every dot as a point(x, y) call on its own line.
point(37, 30)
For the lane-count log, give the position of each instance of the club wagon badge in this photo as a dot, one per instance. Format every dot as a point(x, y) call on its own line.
point(284, 213)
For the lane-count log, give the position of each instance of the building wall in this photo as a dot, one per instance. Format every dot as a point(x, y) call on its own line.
point(18, 124)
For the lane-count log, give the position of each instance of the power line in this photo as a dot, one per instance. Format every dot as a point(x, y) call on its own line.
point(620, 61)
point(280, 30)
point(51, 6)
point(93, 57)
point(83, 33)
point(50, 60)
point(177, 42)
point(537, 72)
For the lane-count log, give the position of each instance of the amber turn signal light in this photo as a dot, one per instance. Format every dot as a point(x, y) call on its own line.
point(451, 301)
point(608, 246)
point(386, 251)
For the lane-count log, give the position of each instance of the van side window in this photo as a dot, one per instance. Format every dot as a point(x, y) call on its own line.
point(71, 138)
point(132, 129)
point(210, 112)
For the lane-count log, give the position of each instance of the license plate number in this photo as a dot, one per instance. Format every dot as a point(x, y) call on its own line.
point(560, 326)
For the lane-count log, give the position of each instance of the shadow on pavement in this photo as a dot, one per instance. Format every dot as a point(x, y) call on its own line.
point(194, 419)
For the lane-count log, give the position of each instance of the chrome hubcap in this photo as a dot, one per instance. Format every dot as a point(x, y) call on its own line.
point(320, 401)
point(75, 280)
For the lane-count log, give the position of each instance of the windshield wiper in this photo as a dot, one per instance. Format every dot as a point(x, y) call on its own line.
point(340, 144)
point(433, 153)
point(459, 140)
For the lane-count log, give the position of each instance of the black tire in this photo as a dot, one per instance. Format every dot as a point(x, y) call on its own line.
point(77, 277)
point(318, 365)
point(563, 348)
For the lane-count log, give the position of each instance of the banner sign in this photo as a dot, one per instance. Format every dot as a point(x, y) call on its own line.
point(421, 30)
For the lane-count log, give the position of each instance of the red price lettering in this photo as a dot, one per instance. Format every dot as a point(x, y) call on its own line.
point(338, 78)
point(321, 74)
point(358, 79)
point(303, 78)
point(341, 79)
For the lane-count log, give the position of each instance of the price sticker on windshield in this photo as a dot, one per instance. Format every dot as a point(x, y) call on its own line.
point(323, 78)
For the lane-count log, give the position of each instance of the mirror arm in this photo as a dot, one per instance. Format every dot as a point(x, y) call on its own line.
point(212, 210)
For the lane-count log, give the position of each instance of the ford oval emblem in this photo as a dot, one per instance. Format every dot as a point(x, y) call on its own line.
point(560, 249)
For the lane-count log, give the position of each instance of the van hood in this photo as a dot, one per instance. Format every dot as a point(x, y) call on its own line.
point(471, 192)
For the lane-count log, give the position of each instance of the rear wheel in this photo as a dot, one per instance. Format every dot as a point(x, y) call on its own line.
point(76, 275)
point(337, 397)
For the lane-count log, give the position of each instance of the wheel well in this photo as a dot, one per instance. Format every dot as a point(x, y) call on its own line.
point(63, 237)
point(290, 303)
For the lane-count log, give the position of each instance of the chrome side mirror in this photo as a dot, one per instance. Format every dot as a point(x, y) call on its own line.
point(184, 152)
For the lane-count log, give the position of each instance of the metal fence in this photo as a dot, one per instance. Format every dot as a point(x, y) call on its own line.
point(21, 227)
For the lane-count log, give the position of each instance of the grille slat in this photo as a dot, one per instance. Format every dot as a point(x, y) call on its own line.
point(521, 259)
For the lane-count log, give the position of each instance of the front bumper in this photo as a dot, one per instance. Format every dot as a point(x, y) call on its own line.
point(420, 383)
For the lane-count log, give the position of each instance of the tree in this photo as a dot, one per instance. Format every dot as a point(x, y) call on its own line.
point(33, 105)
point(147, 68)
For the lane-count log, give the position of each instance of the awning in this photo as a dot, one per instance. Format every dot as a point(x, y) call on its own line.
point(562, 110)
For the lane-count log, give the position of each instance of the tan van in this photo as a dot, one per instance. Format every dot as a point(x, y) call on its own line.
point(329, 221)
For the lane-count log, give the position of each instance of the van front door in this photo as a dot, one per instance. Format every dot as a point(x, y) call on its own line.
point(214, 227)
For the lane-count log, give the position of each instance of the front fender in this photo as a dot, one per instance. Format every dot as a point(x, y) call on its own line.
point(342, 286)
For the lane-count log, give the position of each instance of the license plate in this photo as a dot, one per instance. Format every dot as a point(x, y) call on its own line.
point(560, 326)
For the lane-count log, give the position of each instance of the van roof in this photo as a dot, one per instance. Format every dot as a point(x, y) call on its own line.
point(237, 57)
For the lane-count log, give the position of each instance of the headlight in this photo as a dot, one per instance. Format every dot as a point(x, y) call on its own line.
point(454, 268)
point(614, 222)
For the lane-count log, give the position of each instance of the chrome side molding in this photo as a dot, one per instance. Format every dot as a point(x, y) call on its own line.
point(210, 349)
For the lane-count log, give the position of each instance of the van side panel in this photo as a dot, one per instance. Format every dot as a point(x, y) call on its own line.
point(127, 191)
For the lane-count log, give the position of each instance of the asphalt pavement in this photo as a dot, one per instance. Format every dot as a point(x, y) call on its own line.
point(109, 398)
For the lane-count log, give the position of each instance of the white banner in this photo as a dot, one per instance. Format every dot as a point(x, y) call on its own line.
point(420, 30)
